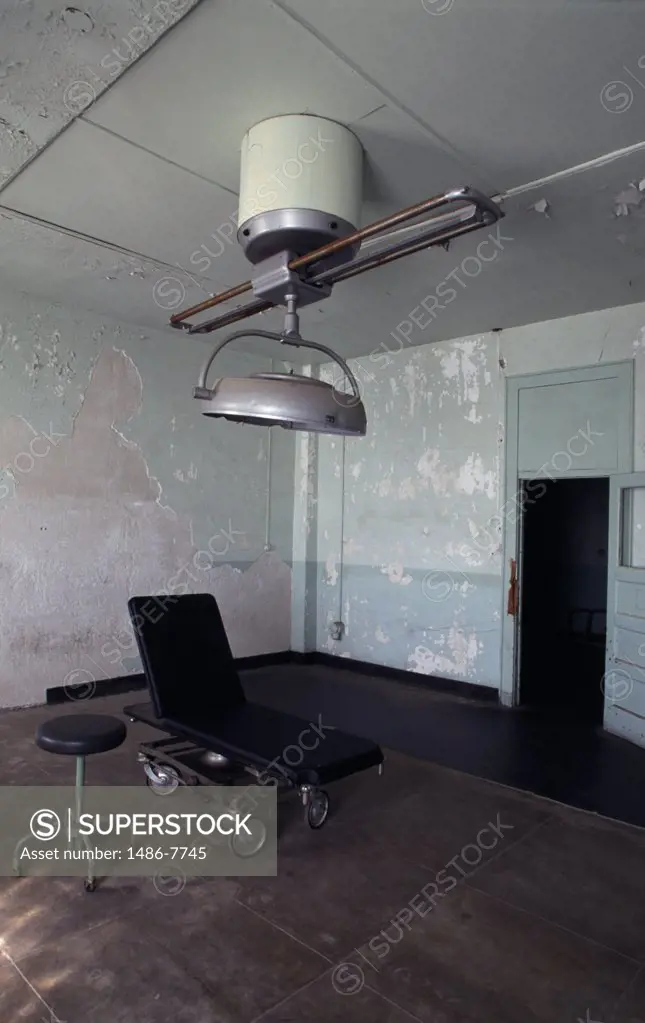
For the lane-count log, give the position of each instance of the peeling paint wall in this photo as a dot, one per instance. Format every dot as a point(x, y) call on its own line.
point(409, 593)
point(112, 484)
point(398, 511)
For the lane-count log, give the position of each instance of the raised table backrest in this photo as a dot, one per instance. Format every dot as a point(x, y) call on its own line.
point(186, 655)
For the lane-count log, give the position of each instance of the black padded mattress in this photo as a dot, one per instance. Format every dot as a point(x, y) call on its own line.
point(273, 741)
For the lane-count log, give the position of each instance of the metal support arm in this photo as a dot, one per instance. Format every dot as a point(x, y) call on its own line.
point(485, 211)
point(294, 340)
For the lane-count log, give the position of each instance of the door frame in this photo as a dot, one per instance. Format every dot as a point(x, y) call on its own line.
point(512, 518)
point(620, 672)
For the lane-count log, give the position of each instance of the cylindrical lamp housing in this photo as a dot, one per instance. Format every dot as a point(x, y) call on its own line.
point(300, 186)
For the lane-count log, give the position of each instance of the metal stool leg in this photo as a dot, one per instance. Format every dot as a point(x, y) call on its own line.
point(90, 881)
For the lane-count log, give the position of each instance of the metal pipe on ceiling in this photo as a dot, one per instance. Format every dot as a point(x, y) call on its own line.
point(484, 207)
point(338, 274)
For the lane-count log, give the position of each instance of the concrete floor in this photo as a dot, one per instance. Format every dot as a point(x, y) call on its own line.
point(538, 913)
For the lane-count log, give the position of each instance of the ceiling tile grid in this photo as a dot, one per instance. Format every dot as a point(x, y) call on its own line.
point(441, 93)
point(57, 58)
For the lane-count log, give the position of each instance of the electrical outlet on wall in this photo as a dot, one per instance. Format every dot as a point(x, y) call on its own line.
point(337, 630)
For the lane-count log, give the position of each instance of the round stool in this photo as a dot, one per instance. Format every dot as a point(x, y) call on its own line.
point(79, 735)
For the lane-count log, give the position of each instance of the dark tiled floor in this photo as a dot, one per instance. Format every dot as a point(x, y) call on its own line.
point(429, 895)
point(572, 763)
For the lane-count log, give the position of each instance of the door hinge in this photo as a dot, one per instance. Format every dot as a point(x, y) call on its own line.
point(513, 591)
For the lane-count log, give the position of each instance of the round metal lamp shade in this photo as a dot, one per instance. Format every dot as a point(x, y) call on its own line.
point(288, 400)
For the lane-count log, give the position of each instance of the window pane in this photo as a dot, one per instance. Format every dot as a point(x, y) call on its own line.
point(633, 528)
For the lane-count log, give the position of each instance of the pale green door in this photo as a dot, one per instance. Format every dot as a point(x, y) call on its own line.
point(624, 680)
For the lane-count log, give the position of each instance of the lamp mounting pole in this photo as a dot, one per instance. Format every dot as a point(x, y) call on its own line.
point(291, 318)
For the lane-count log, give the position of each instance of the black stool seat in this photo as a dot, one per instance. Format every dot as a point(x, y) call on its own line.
point(78, 735)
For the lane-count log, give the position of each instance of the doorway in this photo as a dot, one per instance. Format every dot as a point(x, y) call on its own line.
point(563, 597)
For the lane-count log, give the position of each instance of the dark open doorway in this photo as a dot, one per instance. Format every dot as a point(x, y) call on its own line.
point(563, 593)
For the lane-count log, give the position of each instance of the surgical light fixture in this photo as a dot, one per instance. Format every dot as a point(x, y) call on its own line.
point(300, 203)
point(285, 399)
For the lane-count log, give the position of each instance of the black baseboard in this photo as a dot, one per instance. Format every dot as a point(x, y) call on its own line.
point(82, 691)
point(94, 690)
point(467, 690)
point(131, 683)
point(414, 678)
point(295, 657)
point(262, 660)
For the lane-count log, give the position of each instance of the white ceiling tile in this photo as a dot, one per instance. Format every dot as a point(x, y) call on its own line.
point(97, 184)
point(476, 92)
point(578, 257)
point(404, 164)
point(514, 86)
point(234, 62)
point(81, 275)
point(56, 59)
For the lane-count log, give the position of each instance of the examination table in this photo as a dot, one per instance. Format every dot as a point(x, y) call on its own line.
point(212, 731)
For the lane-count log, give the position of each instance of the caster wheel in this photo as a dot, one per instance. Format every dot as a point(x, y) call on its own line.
point(317, 809)
point(161, 779)
point(90, 886)
point(244, 845)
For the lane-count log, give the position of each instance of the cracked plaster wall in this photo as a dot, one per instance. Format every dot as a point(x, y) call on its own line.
point(396, 512)
point(112, 484)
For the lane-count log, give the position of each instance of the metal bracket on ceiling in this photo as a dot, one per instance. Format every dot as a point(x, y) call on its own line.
point(274, 282)
point(470, 211)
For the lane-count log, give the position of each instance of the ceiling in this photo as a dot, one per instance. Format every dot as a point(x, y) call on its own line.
point(121, 123)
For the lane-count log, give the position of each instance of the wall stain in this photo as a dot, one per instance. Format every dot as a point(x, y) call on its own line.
point(83, 528)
